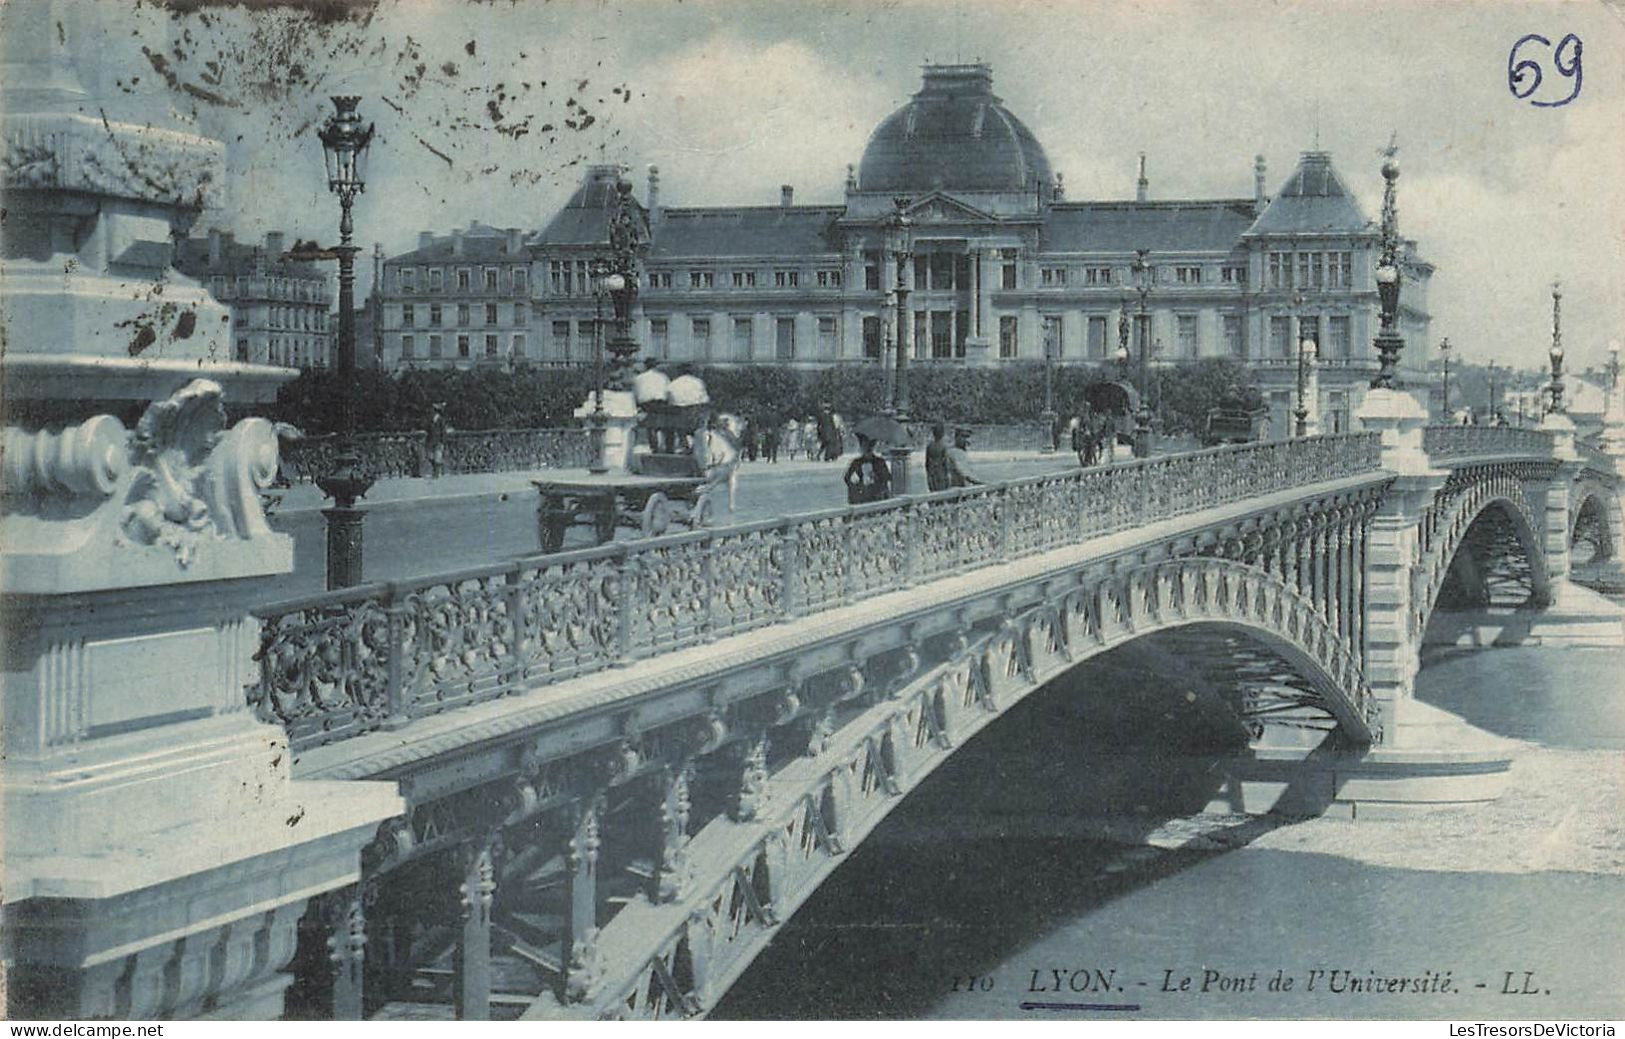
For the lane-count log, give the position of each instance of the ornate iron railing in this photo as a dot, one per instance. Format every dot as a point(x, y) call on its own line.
point(1484, 441)
point(336, 665)
point(482, 451)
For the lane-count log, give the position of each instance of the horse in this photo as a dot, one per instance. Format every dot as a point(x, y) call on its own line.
point(720, 453)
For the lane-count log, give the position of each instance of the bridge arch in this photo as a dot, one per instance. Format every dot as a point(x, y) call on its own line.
point(678, 959)
point(1595, 519)
point(1465, 502)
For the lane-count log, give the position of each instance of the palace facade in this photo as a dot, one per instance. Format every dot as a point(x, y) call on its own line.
point(1005, 268)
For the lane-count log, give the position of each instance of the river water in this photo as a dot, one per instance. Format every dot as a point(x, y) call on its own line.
point(1061, 865)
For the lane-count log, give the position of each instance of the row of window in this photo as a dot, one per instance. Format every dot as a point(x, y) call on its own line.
point(243, 287)
point(1333, 336)
point(465, 344)
point(465, 314)
point(1314, 270)
point(491, 279)
point(290, 352)
point(298, 319)
point(782, 279)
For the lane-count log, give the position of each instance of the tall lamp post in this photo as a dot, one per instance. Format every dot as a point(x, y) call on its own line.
point(1444, 352)
point(1489, 399)
point(1389, 342)
point(344, 147)
point(600, 270)
point(900, 243)
point(626, 242)
point(1556, 352)
point(1306, 357)
point(899, 235)
point(1613, 378)
point(1141, 271)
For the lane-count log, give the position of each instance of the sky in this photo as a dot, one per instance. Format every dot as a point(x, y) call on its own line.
point(488, 110)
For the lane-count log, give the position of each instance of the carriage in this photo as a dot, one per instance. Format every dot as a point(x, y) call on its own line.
point(665, 486)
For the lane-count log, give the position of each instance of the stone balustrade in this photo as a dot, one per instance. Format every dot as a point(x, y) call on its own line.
point(340, 664)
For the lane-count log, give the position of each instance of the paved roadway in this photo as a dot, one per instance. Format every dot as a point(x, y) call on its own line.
point(417, 527)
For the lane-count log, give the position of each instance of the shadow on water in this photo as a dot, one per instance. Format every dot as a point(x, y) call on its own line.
point(1041, 820)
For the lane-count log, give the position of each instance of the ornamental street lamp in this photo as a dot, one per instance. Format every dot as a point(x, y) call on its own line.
point(900, 243)
point(1489, 400)
point(1141, 271)
point(1306, 357)
point(626, 243)
point(1444, 352)
point(1613, 369)
point(344, 148)
point(1389, 342)
point(1556, 352)
point(603, 282)
point(1047, 416)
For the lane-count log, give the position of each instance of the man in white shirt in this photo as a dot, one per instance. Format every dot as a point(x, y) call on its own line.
point(688, 390)
point(650, 386)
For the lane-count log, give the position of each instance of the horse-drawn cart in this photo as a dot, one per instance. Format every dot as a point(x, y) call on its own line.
point(665, 486)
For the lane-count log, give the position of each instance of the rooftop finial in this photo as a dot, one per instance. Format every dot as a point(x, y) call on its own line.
point(1142, 186)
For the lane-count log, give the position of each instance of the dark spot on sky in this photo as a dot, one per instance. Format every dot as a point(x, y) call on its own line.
point(469, 47)
point(449, 68)
point(185, 324)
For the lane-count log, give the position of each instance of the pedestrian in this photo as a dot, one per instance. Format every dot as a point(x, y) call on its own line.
point(868, 478)
point(809, 438)
point(770, 440)
point(434, 439)
point(749, 440)
point(960, 472)
point(936, 459)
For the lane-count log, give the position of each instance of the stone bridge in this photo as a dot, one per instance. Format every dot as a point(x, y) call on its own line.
point(593, 783)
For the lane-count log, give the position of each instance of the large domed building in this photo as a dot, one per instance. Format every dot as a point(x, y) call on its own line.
point(1005, 268)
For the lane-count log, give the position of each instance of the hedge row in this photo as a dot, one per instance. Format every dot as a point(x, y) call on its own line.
point(527, 398)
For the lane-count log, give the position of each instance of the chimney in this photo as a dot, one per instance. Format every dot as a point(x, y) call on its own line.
point(457, 241)
point(259, 261)
point(275, 245)
point(787, 195)
point(654, 194)
point(215, 250)
point(425, 239)
point(1258, 185)
point(1141, 185)
point(515, 241)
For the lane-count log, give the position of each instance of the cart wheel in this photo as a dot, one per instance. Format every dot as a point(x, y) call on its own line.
point(701, 513)
point(656, 515)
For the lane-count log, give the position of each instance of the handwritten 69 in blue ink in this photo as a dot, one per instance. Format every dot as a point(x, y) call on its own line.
point(1524, 76)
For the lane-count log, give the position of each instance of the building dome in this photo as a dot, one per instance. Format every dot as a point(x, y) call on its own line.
point(954, 135)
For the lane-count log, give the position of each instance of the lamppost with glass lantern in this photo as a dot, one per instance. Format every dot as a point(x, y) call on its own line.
point(603, 282)
point(626, 241)
point(1613, 371)
point(345, 141)
point(1141, 271)
point(1556, 352)
point(1444, 352)
point(1489, 399)
point(1389, 342)
point(1306, 357)
point(900, 243)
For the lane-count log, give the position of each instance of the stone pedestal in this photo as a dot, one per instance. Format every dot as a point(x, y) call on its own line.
point(979, 352)
point(159, 853)
point(1392, 639)
point(620, 419)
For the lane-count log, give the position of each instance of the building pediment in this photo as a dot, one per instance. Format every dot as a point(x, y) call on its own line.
point(941, 208)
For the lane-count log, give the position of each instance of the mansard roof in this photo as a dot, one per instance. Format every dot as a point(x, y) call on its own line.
point(191, 258)
point(1162, 226)
point(584, 220)
point(480, 242)
point(746, 231)
point(1314, 200)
